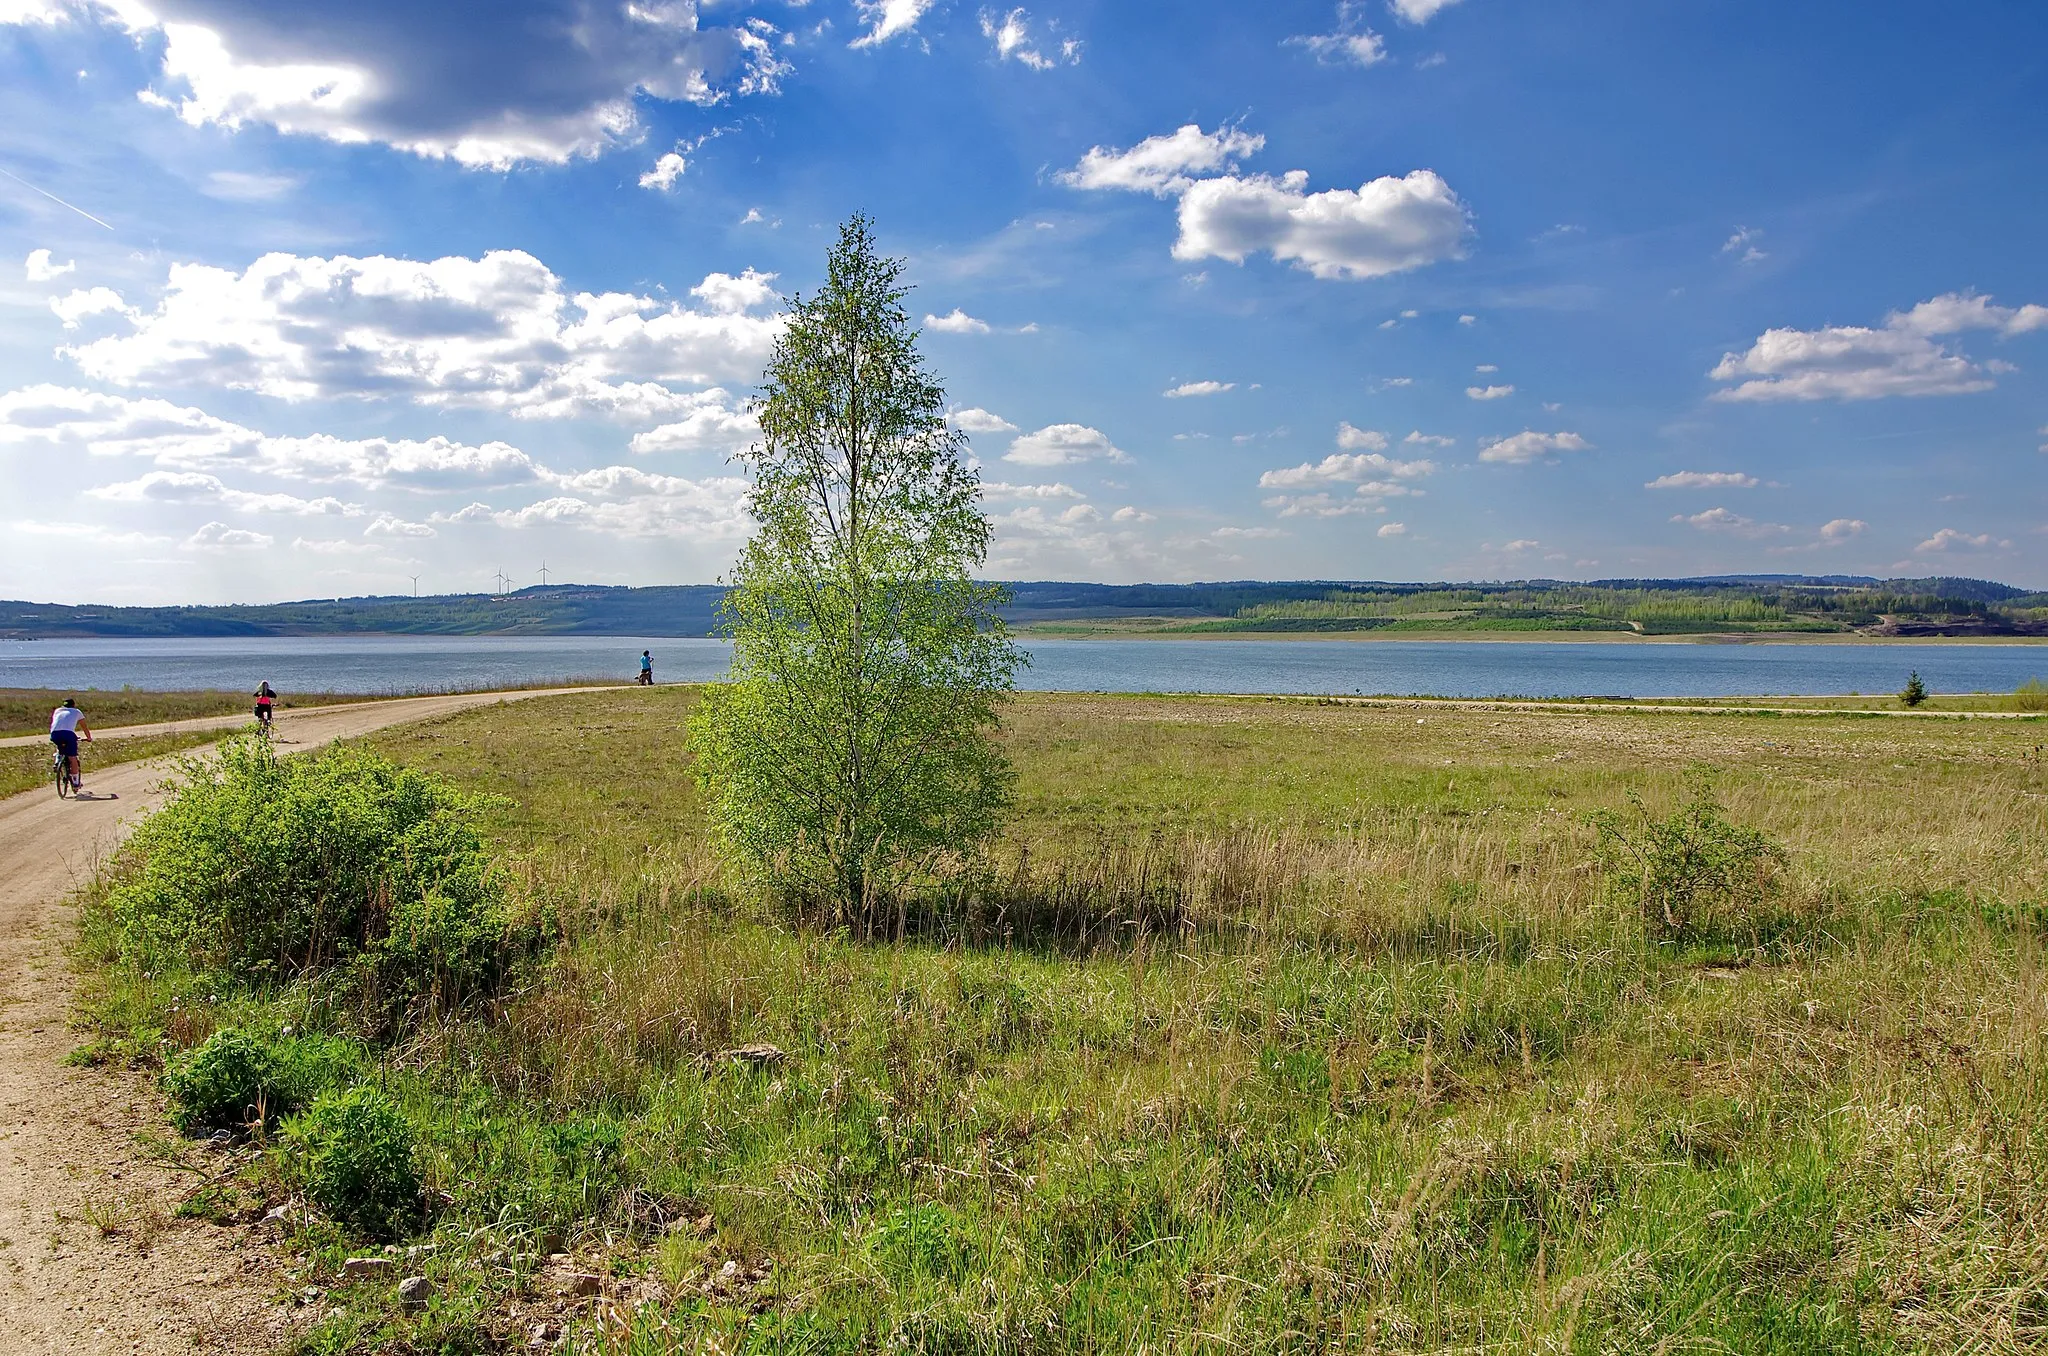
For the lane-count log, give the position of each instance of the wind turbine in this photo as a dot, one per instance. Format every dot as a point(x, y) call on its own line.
point(543, 574)
point(415, 584)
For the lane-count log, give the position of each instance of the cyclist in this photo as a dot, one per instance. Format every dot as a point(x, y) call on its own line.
point(265, 699)
point(646, 668)
point(67, 723)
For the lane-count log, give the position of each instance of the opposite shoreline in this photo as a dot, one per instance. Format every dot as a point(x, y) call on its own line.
point(1527, 637)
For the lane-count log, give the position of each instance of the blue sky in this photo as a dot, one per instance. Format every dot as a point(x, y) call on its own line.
point(297, 305)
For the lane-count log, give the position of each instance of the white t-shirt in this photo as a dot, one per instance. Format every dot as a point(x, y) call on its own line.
point(65, 719)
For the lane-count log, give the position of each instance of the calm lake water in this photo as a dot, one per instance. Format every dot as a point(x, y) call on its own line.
point(1437, 668)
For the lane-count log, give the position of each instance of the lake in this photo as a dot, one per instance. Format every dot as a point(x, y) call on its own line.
point(1448, 668)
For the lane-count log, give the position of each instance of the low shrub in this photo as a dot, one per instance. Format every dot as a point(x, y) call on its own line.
point(359, 1163)
point(2031, 695)
point(274, 868)
point(1693, 868)
point(237, 1079)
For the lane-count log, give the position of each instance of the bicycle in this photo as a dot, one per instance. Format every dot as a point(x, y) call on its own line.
point(62, 773)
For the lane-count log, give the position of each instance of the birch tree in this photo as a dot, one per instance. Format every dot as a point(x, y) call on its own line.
point(853, 743)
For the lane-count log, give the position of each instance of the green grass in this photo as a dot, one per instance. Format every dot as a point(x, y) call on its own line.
point(26, 710)
point(27, 767)
point(1280, 1026)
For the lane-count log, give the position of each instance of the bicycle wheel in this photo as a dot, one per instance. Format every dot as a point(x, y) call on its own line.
point(63, 778)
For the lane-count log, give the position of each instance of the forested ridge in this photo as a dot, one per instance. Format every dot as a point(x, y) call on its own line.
point(1753, 603)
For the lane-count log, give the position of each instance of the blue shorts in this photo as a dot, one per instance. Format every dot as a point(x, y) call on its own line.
point(66, 740)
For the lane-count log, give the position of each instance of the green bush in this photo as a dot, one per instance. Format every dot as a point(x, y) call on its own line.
point(236, 1078)
point(2031, 695)
point(271, 867)
point(1693, 868)
point(359, 1162)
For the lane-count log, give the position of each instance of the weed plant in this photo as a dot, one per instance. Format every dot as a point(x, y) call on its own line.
point(356, 1155)
point(239, 1080)
point(1268, 1027)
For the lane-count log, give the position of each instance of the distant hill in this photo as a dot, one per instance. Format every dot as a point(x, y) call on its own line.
point(1720, 603)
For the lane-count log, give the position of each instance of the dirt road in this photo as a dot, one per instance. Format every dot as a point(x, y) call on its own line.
point(90, 1260)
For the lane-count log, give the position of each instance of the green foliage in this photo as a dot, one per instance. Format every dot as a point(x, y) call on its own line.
point(1915, 691)
point(271, 867)
point(2031, 695)
point(1692, 869)
point(854, 745)
point(237, 1078)
point(359, 1161)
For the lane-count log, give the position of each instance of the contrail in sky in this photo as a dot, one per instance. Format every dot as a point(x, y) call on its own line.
point(54, 198)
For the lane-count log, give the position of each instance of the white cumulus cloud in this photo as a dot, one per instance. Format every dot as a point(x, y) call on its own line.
point(1198, 388)
point(1163, 165)
point(1063, 445)
point(1743, 245)
point(1955, 312)
point(1351, 438)
point(1702, 480)
point(1949, 541)
point(1387, 225)
point(1903, 357)
point(1838, 530)
point(996, 489)
point(1352, 43)
point(956, 321)
point(653, 507)
point(499, 332)
point(1393, 530)
point(1011, 33)
point(76, 307)
point(1727, 520)
point(220, 537)
point(1522, 448)
point(391, 525)
point(41, 267)
point(886, 19)
point(1363, 465)
point(666, 171)
point(535, 80)
point(715, 423)
point(1488, 392)
point(181, 438)
point(197, 487)
point(1418, 11)
point(974, 420)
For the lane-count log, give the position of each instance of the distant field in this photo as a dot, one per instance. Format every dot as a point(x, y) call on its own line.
point(1275, 1019)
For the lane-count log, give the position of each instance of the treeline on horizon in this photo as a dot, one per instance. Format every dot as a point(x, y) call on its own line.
point(1834, 603)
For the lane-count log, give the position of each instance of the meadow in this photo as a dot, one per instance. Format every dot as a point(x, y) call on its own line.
point(1271, 1025)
